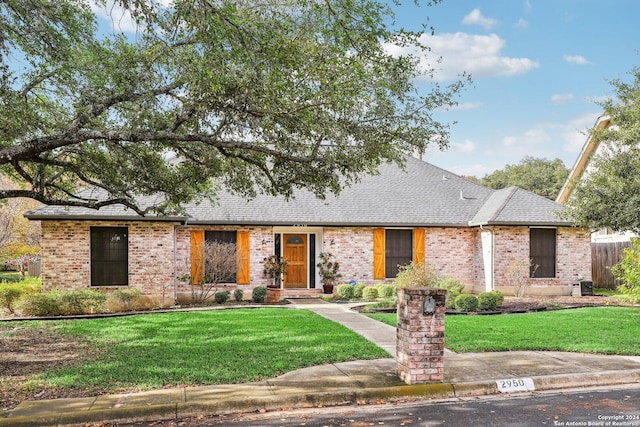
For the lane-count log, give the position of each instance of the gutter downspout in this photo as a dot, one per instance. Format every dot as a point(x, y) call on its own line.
point(489, 279)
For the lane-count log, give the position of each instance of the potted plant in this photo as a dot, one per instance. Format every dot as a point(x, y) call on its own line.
point(275, 268)
point(328, 271)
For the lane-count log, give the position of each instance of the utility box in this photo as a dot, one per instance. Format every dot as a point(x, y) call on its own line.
point(420, 335)
point(586, 287)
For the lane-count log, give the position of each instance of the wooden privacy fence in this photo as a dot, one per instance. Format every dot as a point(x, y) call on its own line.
point(604, 256)
point(34, 268)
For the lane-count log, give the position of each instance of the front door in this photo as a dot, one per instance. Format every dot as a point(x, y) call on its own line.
point(295, 252)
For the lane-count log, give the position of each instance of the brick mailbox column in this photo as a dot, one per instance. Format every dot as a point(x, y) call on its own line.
point(420, 335)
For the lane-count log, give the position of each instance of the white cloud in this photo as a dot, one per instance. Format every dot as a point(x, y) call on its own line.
point(522, 23)
point(476, 17)
point(466, 147)
point(576, 59)
point(460, 52)
point(574, 133)
point(561, 98)
point(527, 6)
point(535, 136)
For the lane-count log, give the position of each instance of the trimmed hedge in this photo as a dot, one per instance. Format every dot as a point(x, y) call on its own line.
point(467, 302)
point(345, 291)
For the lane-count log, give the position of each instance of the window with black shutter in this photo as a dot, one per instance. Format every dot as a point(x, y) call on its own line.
point(109, 256)
point(542, 251)
point(398, 250)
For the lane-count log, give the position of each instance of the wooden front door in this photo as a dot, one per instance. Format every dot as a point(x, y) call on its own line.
point(295, 252)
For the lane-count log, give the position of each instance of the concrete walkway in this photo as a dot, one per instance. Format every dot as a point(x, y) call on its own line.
point(470, 374)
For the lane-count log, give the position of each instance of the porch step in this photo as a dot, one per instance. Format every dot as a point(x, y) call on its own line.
point(301, 293)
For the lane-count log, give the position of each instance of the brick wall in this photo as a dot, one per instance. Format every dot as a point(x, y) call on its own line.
point(66, 262)
point(573, 257)
point(453, 251)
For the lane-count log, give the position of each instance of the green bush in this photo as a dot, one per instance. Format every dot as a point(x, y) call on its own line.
point(259, 294)
point(221, 297)
point(83, 301)
point(238, 294)
point(421, 274)
point(369, 293)
point(345, 291)
point(488, 301)
point(9, 295)
point(124, 299)
point(357, 290)
point(42, 304)
point(386, 291)
point(466, 302)
point(628, 269)
point(499, 296)
point(454, 288)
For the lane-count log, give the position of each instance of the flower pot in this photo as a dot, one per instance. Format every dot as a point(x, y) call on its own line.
point(328, 289)
point(274, 295)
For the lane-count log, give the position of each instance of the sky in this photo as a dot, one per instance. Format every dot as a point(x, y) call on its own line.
point(539, 69)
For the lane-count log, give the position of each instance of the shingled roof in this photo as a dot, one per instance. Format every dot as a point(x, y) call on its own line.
point(420, 194)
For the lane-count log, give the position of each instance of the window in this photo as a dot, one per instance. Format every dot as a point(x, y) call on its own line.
point(109, 256)
point(398, 250)
point(542, 252)
point(221, 236)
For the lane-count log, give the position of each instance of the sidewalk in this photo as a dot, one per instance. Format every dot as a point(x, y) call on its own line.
point(465, 375)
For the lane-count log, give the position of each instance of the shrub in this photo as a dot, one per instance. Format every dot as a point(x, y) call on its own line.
point(369, 293)
point(499, 296)
point(357, 290)
point(466, 302)
point(221, 297)
point(386, 291)
point(42, 304)
point(628, 272)
point(488, 301)
point(238, 294)
point(83, 301)
point(419, 274)
point(259, 294)
point(345, 291)
point(124, 299)
point(9, 295)
point(454, 288)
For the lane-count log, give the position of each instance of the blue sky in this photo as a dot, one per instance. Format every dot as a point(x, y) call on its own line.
point(538, 68)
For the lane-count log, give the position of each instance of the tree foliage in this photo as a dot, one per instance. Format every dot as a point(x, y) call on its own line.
point(608, 195)
point(19, 237)
point(253, 95)
point(540, 176)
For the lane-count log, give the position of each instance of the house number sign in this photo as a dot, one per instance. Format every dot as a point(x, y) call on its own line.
point(513, 385)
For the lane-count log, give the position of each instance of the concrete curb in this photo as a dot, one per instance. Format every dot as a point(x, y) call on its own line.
point(142, 412)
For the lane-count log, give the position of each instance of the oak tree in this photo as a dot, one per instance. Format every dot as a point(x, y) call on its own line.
point(256, 96)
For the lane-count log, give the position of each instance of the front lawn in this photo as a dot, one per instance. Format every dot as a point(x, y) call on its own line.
point(197, 347)
point(605, 330)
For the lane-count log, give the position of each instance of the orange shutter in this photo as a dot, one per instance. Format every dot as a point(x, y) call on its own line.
point(378, 253)
point(418, 245)
point(197, 256)
point(243, 251)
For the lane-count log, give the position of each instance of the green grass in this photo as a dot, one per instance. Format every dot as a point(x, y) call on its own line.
point(16, 277)
point(208, 347)
point(605, 330)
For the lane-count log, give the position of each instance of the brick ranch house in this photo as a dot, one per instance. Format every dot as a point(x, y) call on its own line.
point(464, 230)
